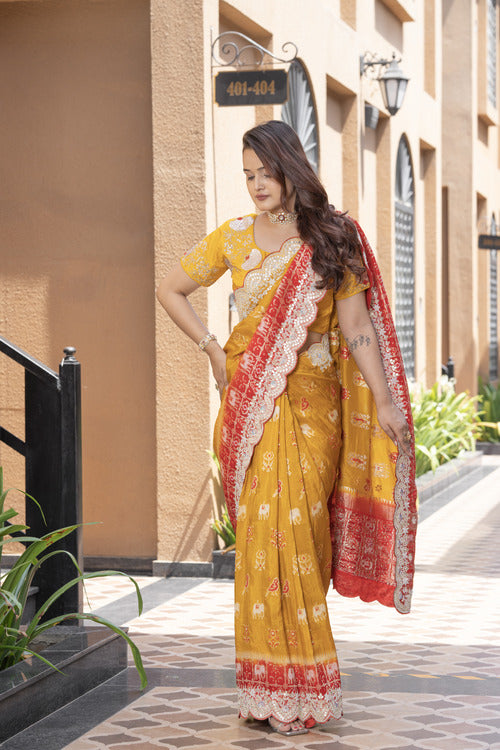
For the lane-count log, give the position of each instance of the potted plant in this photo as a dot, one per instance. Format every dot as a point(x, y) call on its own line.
point(17, 639)
point(223, 557)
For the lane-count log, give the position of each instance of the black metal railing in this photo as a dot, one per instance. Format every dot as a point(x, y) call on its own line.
point(53, 465)
point(448, 369)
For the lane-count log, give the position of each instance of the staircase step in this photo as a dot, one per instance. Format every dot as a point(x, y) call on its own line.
point(31, 690)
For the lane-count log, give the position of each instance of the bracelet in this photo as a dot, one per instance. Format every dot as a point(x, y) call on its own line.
point(206, 340)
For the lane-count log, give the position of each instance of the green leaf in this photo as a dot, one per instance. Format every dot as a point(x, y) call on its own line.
point(7, 514)
point(102, 621)
point(445, 424)
point(14, 586)
point(60, 591)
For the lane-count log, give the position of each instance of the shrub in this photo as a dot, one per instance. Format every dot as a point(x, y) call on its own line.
point(221, 523)
point(489, 426)
point(445, 424)
point(16, 639)
point(224, 528)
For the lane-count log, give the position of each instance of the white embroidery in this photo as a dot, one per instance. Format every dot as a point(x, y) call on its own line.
point(405, 521)
point(281, 362)
point(260, 280)
point(242, 223)
point(319, 353)
point(252, 260)
point(285, 705)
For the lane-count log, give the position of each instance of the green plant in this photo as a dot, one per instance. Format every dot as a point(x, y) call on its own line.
point(445, 424)
point(222, 523)
point(489, 426)
point(16, 640)
point(224, 528)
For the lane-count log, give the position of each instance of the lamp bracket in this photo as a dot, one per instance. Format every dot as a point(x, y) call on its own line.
point(369, 60)
point(232, 51)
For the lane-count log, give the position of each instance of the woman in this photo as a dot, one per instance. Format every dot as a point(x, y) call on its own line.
point(314, 433)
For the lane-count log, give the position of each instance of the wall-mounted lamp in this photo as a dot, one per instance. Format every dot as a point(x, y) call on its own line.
point(392, 81)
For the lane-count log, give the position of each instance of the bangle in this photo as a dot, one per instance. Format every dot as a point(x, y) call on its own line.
point(206, 340)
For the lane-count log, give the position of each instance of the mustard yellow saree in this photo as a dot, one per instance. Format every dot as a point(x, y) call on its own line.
point(315, 489)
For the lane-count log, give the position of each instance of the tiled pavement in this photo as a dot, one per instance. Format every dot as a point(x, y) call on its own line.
point(426, 680)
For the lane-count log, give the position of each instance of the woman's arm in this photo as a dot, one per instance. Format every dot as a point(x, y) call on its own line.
point(172, 294)
point(358, 331)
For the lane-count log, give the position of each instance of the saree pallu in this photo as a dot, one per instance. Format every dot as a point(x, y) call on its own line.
point(315, 489)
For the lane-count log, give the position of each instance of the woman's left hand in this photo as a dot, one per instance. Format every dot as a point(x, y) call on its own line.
point(394, 424)
point(218, 361)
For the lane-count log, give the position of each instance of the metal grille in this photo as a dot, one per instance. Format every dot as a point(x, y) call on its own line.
point(492, 52)
point(405, 257)
point(299, 112)
point(405, 285)
point(493, 316)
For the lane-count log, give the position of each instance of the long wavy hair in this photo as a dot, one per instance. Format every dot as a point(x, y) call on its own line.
point(331, 235)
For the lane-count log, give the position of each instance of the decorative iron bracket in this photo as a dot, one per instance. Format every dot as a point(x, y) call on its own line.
point(369, 60)
point(234, 50)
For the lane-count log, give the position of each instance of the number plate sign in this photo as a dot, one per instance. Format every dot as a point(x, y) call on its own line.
point(489, 242)
point(237, 88)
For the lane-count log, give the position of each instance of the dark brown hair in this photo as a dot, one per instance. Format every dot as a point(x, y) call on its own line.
point(331, 235)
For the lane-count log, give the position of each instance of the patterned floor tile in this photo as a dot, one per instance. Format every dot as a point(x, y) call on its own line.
point(425, 681)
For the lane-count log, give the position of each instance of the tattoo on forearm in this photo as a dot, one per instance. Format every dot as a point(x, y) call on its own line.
point(358, 341)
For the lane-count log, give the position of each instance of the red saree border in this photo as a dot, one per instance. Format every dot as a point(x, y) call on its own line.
point(351, 586)
point(261, 375)
point(289, 691)
point(405, 490)
point(365, 505)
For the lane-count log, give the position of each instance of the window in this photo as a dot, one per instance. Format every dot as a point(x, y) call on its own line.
point(493, 309)
point(491, 63)
point(300, 112)
point(405, 256)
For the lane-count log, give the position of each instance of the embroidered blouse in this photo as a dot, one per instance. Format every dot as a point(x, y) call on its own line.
point(253, 270)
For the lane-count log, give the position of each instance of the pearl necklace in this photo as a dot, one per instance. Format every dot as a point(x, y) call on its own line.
point(282, 217)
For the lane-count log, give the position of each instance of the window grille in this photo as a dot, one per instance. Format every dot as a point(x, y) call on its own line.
point(300, 113)
point(492, 52)
point(493, 315)
point(405, 257)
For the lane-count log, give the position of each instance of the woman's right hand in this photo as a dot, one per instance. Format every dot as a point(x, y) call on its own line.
point(218, 362)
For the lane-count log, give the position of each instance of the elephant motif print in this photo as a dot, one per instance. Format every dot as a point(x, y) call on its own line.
point(258, 611)
point(302, 616)
point(263, 511)
point(319, 612)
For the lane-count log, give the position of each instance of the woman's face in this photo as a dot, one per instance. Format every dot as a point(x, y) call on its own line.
point(264, 190)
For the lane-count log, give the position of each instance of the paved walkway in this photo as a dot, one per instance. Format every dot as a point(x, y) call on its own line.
point(426, 680)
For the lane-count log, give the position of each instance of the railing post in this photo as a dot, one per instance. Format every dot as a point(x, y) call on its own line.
point(450, 368)
point(43, 467)
point(53, 476)
point(71, 461)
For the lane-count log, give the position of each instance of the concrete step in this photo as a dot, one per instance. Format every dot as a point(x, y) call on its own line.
point(31, 690)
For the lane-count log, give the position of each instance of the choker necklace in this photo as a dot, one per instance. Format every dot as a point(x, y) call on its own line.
point(282, 217)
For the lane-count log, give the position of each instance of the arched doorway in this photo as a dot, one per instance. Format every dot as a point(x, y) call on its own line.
point(300, 111)
point(404, 207)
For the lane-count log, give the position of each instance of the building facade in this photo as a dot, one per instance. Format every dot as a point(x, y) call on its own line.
point(115, 159)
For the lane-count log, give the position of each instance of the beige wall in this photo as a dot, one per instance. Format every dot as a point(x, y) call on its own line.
point(182, 378)
point(115, 160)
point(470, 172)
point(357, 165)
point(76, 256)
